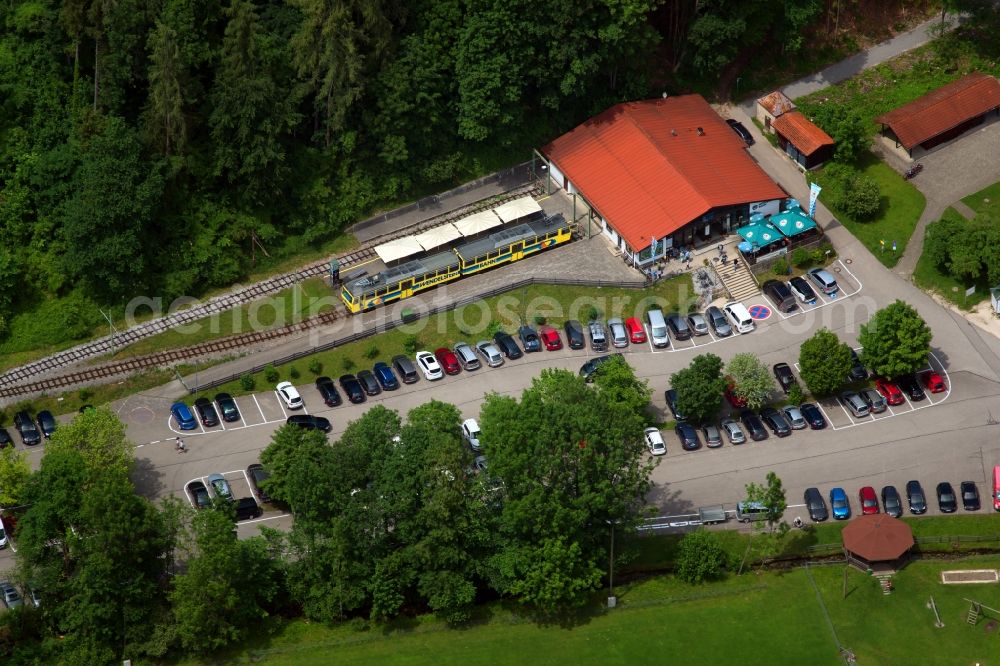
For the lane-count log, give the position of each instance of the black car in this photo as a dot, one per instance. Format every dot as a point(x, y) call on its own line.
point(891, 503)
point(780, 294)
point(258, 475)
point(670, 395)
point(858, 372)
point(26, 427)
point(589, 369)
point(783, 373)
point(812, 415)
point(816, 505)
point(574, 334)
point(310, 422)
point(328, 391)
point(776, 421)
point(206, 412)
point(227, 406)
point(802, 290)
point(754, 426)
point(247, 508)
point(5, 439)
point(915, 497)
point(678, 327)
point(47, 423)
point(946, 498)
point(970, 496)
point(740, 130)
point(385, 376)
point(718, 322)
point(507, 345)
point(910, 385)
point(352, 388)
point(688, 436)
point(529, 339)
point(199, 493)
point(369, 383)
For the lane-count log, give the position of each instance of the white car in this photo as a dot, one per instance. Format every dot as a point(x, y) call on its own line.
point(654, 441)
point(3, 536)
point(289, 395)
point(429, 365)
point(470, 432)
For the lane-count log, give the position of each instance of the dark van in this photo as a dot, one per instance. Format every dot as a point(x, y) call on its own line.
point(405, 369)
point(780, 295)
point(247, 508)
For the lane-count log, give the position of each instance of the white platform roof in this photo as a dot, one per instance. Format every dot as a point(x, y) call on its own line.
point(438, 236)
point(516, 209)
point(474, 224)
point(398, 248)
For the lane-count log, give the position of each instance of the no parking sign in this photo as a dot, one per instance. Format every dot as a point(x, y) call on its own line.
point(759, 312)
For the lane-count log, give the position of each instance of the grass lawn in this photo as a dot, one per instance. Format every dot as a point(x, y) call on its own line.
point(927, 276)
point(986, 201)
point(902, 205)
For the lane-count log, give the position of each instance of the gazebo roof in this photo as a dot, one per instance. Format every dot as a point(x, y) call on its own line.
point(877, 537)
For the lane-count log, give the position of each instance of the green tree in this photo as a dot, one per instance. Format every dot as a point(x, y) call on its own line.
point(166, 123)
point(700, 557)
point(99, 435)
point(281, 458)
point(896, 340)
point(617, 382)
point(863, 200)
point(14, 474)
point(770, 496)
point(699, 387)
point(824, 362)
point(752, 379)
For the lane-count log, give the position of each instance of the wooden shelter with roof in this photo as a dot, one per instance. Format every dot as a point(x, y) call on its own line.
point(877, 543)
point(808, 145)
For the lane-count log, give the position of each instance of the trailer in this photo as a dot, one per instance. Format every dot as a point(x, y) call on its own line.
point(712, 514)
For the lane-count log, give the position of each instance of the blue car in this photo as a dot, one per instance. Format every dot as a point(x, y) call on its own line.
point(182, 413)
point(840, 504)
point(386, 377)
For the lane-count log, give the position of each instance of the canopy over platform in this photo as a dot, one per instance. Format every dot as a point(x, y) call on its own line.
point(518, 208)
point(792, 223)
point(877, 537)
point(478, 223)
point(398, 248)
point(438, 236)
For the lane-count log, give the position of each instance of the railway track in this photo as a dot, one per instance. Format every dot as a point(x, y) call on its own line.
point(17, 381)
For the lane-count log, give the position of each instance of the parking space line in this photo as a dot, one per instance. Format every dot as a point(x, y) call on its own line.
point(263, 418)
point(284, 415)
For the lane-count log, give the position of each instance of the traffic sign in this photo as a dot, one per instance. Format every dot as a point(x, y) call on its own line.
point(759, 312)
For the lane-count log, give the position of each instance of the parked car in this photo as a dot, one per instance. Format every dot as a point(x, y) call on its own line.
point(868, 500)
point(574, 334)
point(247, 509)
point(970, 496)
point(507, 345)
point(824, 280)
point(385, 376)
point(947, 502)
point(733, 432)
point(467, 357)
point(598, 340)
point(816, 505)
point(933, 381)
point(405, 369)
point(46, 423)
point(258, 475)
point(352, 388)
point(369, 383)
point(590, 368)
point(794, 417)
point(915, 497)
point(697, 324)
point(776, 422)
point(783, 373)
point(448, 360)
point(678, 327)
point(812, 415)
point(227, 407)
point(490, 353)
point(180, 411)
point(717, 320)
point(687, 435)
point(911, 386)
point(199, 495)
point(289, 395)
point(657, 328)
point(11, 598)
point(840, 504)
point(730, 394)
point(802, 291)
point(754, 426)
point(636, 331)
point(670, 395)
point(550, 338)
point(3, 535)
point(740, 130)
point(206, 412)
point(654, 441)
point(619, 336)
point(5, 439)
point(220, 486)
point(875, 400)
point(890, 501)
point(893, 396)
point(529, 339)
point(780, 295)
point(470, 433)
point(310, 422)
point(429, 365)
point(713, 438)
point(855, 404)
point(858, 372)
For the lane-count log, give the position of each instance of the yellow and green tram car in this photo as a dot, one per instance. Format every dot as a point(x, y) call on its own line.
point(425, 271)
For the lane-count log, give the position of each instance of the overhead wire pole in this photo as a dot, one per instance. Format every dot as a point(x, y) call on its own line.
point(111, 325)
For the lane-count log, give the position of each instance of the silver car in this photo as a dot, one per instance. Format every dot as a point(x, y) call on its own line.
point(490, 353)
point(855, 403)
point(875, 400)
point(10, 596)
point(713, 438)
point(719, 322)
point(795, 418)
point(733, 431)
point(619, 336)
point(220, 486)
point(466, 356)
point(698, 324)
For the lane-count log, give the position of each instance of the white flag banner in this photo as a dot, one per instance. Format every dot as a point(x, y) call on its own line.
point(814, 191)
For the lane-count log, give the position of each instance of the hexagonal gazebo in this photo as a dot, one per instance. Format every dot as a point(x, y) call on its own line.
point(877, 543)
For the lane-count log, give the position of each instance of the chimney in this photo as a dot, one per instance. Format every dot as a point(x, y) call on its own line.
point(701, 132)
point(673, 132)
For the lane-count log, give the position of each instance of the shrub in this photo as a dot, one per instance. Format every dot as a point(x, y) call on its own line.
point(801, 257)
point(593, 313)
point(347, 363)
point(85, 394)
point(780, 267)
point(862, 199)
point(700, 557)
point(248, 382)
point(271, 374)
point(796, 395)
point(316, 366)
point(371, 352)
point(539, 320)
point(293, 372)
point(411, 344)
point(494, 328)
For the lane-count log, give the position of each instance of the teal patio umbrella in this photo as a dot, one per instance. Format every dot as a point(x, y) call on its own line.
point(791, 222)
point(759, 234)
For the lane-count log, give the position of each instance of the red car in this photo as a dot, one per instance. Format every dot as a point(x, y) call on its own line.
point(448, 361)
point(636, 332)
point(889, 391)
point(736, 401)
point(550, 338)
point(933, 382)
point(869, 502)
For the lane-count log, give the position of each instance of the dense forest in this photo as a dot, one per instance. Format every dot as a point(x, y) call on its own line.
point(144, 144)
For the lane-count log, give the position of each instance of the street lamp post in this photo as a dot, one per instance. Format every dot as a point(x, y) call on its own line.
point(612, 599)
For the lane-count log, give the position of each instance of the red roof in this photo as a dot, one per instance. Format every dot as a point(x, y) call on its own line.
point(877, 537)
point(801, 132)
point(651, 167)
point(940, 110)
point(776, 103)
